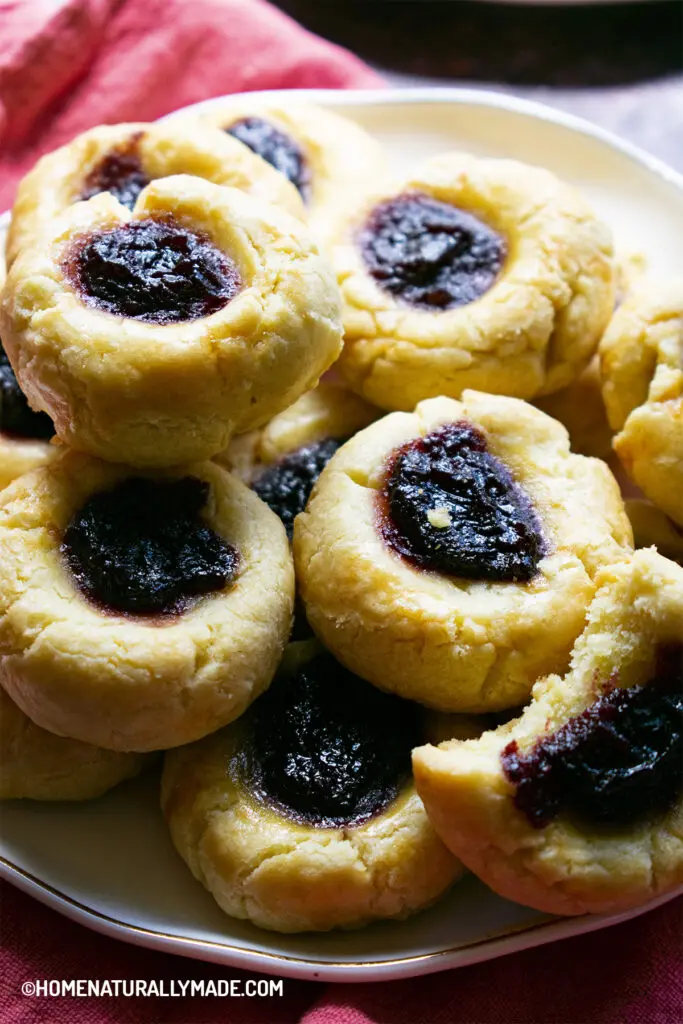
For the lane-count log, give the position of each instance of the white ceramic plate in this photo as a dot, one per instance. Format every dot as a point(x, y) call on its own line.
point(110, 864)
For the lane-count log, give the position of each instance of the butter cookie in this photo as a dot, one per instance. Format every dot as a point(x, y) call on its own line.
point(472, 273)
point(302, 815)
point(123, 158)
point(24, 434)
point(581, 410)
point(641, 363)
point(139, 613)
point(450, 554)
point(283, 460)
point(325, 156)
point(651, 528)
point(35, 765)
point(152, 337)
point(577, 806)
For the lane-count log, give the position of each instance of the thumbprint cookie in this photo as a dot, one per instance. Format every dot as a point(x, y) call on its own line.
point(651, 528)
point(302, 815)
point(472, 273)
point(283, 460)
point(450, 554)
point(123, 158)
point(641, 362)
point(139, 612)
point(36, 765)
point(151, 337)
point(24, 434)
point(581, 409)
point(577, 805)
point(326, 157)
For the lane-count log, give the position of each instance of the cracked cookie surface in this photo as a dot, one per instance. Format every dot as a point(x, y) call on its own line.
point(533, 320)
point(123, 159)
point(455, 643)
point(641, 365)
point(125, 388)
point(261, 854)
point(122, 680)
point(598, 828)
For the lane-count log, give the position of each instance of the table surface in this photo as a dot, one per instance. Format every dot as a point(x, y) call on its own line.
point(620, 65)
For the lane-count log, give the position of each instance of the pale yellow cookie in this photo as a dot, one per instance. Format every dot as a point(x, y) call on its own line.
point(19, 455)
point(36, 765)
point(573, 843)
point(157, 381)
point(129, 681)
point(651, 528)
point(323, 846)
point(125, 157)
point(641, 363)
point(581, 410)
point(457, 644)
point(530, 291)
point(328, 157)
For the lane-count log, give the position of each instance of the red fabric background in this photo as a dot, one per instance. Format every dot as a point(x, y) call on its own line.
point(63, 68)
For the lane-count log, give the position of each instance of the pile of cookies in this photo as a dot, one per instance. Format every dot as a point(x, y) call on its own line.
point(309, 481)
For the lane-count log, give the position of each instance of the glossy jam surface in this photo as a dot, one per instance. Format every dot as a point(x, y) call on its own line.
point(152, 270)
point(286, 485)
point(16, 416)
point(327, 748)
point(277, 148)
point(119, 172)
point(449, 505)
point(430, 254)
point(618, 762)
point(143, 548)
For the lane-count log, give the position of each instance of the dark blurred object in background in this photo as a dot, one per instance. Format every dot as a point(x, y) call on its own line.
point(618, 64)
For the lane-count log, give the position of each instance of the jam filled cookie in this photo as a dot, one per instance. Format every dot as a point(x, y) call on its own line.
point(326, 157)
point(24, 434)
point(651, 528)
point(123, 158)
point(449, 554)
point(150, 338)
point(283, 460)
point(577, 806)
point(641, 362)
point(302, 815)
point(484, 274)
point(35, 765)
point(581, 410)
point(139, 613)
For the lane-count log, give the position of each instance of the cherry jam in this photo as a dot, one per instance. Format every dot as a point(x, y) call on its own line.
point(430, 254)
point(615, 764)
point(450, 506)
point(142, 548)
point(326, 748)
point(152, 270)
point(276, 148)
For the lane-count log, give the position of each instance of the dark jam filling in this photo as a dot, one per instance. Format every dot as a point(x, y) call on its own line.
point(119, 172)
point(152, 270)
point(143, 549)
point(618, 762)
point(276, 148)
point(286, 486)
point(17, 418)
point(430, 254)
point(450, 506)
point(326, 748)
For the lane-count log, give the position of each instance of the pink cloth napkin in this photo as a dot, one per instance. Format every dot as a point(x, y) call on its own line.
point(629, 974)
point(65, 66)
